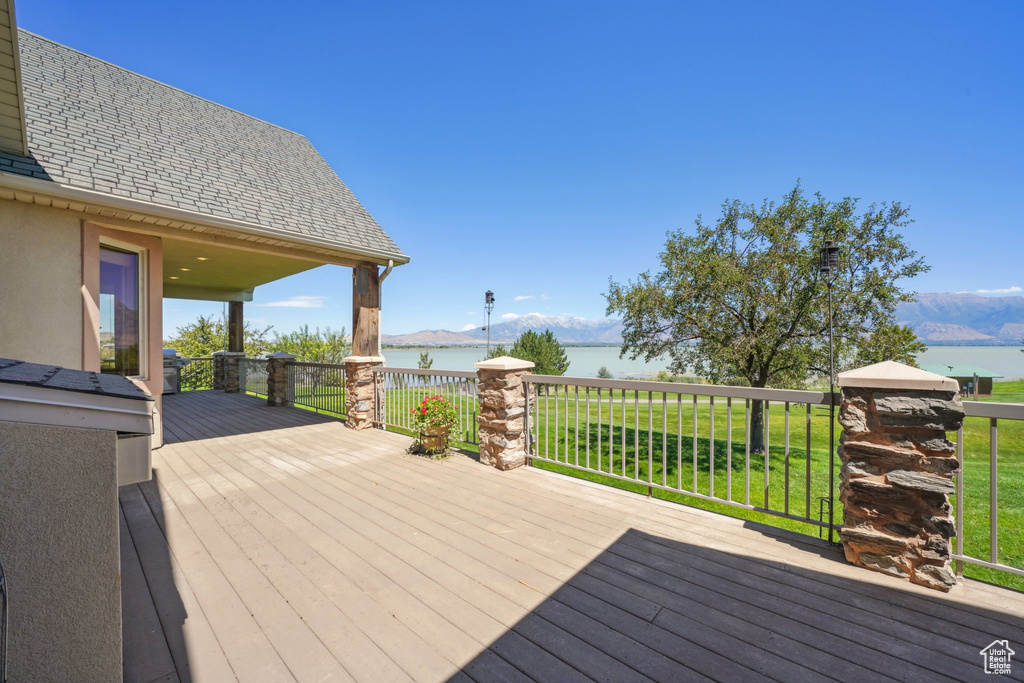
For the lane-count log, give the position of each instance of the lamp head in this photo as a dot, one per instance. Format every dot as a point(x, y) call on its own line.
point(829, 254)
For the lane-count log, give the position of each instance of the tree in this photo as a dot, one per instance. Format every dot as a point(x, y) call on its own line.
point(208, 334)
point(742, 300)
point(327, 346)
point(603, 373)
point(425, 361)
point(497, 351)
point(543, 350)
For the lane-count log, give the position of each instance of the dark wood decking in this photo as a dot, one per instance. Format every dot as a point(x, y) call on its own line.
point(277, 545)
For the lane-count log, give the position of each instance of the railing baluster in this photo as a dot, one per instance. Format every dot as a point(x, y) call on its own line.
point(711, 448)
point(694, 489)
point(746, 441)
point(960, 500)
point(611, 430)
point(728, 448)
point(588, 425)
point(650, 440)
point(993, 490)
point(767, 451)
point(786, 509)
point(807, 464)
point(636, 434)
point(664, 438)
point(679, 441)
point(598, 429)
point(576, 427)
point(610, 399)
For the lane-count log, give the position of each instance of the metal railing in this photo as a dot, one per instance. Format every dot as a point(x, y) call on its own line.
point(979, 477)
point(253, 375)
point(635, 431)
point(399, 390)
point(320, 386)
point(196, 373)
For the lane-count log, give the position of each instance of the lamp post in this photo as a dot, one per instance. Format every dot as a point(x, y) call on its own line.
point(829, 254)
point(489, 306)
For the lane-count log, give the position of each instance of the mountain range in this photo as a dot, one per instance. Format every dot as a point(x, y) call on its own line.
point(937, 319)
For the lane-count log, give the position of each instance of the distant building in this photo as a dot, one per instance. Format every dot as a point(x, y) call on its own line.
point(964, 374)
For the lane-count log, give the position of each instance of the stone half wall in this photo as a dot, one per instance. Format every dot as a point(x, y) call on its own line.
point(896, 478)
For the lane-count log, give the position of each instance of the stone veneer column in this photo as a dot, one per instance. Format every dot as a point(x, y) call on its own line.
point(278, 391)
point(218, 369)
point(360, 390)
point(231, 370)
point(897, 471)
point(502, 399)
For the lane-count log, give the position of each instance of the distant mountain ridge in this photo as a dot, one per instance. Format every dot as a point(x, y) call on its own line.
point(568, 330)
point(937, 319)
point(965, 319)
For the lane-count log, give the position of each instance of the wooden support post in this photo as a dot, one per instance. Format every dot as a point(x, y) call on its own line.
point(236, 327)
point(365, 310)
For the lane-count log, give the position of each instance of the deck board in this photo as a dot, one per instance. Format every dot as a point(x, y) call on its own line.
point(276, 544)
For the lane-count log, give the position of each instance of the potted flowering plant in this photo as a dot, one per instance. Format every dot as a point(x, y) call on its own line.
point(433, 418)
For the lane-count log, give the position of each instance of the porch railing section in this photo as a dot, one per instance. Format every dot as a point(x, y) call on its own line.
point(320, 386)
point(693, 440)
point(979, 483)
point(253, 375)
point(196, 373)
point(400, 390)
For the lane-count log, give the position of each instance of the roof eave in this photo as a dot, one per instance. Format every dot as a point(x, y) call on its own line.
point(77, 195)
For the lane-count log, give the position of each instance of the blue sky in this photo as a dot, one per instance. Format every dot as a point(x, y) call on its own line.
point(539, 148)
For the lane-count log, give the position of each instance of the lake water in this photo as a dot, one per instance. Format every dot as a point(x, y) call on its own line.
point(585, 361)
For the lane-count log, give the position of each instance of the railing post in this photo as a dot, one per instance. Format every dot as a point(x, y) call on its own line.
point(897, 471)
point(229, 372)
point(218, 370)
point(360, 391)
point(278, 391)
point(502, 397)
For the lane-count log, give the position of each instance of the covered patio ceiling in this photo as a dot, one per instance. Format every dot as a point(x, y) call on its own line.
point(211, 272)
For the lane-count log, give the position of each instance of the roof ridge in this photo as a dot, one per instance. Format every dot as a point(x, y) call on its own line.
point(160, 83)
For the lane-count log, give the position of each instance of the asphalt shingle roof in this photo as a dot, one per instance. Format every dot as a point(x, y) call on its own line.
point(95, 126)
point(55, 377)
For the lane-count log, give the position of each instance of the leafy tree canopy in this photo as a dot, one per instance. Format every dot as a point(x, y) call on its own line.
point(497, 351)
point(742, 299)
point(208, 334)
point(603, 373)
point(425, 361)
point(543, 350)
point(320, 346)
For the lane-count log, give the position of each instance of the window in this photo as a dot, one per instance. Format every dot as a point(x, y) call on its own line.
point(122, 348)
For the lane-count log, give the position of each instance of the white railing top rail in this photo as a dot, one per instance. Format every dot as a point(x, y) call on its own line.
point(463, 374)
point(755, 393)
point(1002, 411)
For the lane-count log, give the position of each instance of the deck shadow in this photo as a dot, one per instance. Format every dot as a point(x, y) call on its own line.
point(670, 610)
point(213, 414)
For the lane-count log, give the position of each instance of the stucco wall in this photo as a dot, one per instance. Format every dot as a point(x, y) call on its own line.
point(40, 284)
point(59, 544)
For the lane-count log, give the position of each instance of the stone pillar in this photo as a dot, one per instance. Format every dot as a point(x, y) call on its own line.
point(279, 392)
point(360, 390)
point(231, 370)
point(218, 369)
point(502, 411)
point(897, 471)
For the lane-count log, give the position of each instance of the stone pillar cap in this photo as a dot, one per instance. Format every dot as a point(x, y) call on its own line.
point(281, 354)
point(363, 359)
point(892, 375)
point(504, 363)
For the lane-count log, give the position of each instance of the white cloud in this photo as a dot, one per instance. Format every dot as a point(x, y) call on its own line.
point(509, 316)
point(298, 302)
point(522, 297)
point(1005, 290)
point(544, 297)
point(469, 327)
point(471, 313)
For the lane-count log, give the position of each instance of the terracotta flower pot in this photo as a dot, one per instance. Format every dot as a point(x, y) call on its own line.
point(434, 438)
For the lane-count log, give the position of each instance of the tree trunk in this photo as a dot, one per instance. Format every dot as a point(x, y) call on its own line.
point(756, 435)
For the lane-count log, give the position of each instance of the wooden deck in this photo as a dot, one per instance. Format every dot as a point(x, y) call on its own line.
point(275, 545)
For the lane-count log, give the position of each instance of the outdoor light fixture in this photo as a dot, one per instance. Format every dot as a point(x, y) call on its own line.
point(202, 258)
point(829, 257)
point(829, 262)
point(489, 306)
point(172, 277)
point(184, 269)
